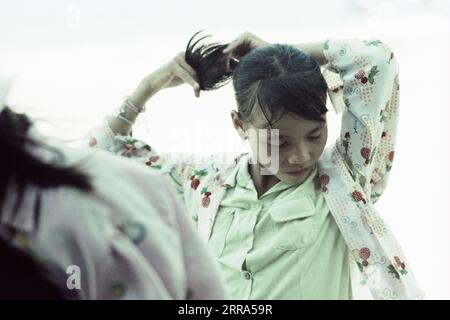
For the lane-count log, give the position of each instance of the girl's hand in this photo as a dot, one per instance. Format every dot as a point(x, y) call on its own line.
point(243, 44)
point(174, 73)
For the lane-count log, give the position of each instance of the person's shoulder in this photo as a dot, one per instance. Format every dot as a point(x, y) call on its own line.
point(122, 190)
point(227, 160)
point(114, 176)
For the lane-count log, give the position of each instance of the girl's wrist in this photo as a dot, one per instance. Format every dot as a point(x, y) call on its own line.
point(144, 91)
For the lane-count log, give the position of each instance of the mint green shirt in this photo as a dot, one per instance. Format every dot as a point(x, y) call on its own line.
point(284, 245)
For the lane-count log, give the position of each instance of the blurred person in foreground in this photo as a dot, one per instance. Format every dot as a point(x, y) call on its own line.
point(87, 225)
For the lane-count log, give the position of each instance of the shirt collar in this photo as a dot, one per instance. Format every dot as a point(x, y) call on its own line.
point(240, 173)
point(240, 176)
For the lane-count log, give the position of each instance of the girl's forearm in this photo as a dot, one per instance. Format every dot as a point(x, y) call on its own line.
point(143, 92)
point(315, 49)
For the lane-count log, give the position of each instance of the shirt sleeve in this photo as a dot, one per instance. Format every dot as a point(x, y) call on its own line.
point(129, 238)
point(183, 169)
point(362, 77)
point(101, 261)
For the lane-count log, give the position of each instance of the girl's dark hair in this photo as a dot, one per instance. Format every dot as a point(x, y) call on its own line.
point(276, 78)
point(208, 61)
point(24, 277)
point(19, 166)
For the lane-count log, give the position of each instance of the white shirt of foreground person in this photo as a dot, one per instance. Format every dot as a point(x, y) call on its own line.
point(129, 238)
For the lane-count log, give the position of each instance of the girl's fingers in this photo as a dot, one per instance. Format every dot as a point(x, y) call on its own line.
point(192, 74)
point(227, 49)
point(186, 77)
point(232, 45)
point(237, 42)
point(186, 66)
point(191, 71)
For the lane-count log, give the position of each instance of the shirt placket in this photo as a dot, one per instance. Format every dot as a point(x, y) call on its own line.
point(246, 220)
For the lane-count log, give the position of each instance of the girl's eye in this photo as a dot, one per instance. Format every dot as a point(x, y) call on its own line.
point(315, 138)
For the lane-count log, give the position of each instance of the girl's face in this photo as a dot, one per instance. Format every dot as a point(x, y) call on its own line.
point(300, 145)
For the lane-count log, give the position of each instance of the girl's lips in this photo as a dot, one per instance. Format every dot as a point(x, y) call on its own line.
point(298, 173)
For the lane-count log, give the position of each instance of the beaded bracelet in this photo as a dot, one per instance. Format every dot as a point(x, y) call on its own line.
point(121, 111)
point(128, 103)
point(121, 117)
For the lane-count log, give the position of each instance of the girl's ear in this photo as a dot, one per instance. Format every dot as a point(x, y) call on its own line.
point(238, 124)
point(242, 133)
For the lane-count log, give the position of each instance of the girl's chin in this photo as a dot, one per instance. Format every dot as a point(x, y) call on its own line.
point(289, 179)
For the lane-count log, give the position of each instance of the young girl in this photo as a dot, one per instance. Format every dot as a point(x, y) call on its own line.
point(292, 224)
point(90, 225)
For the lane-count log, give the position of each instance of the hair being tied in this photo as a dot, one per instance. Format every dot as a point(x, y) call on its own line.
point(273, 79)
point(212, 66)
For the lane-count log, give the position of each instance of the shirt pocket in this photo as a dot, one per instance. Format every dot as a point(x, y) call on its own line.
point(293, 224)
point(221, 230)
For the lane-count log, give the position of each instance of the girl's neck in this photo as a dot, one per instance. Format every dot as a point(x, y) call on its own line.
point(262, 182)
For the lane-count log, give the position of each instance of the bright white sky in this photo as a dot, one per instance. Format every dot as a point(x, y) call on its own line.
point(76, 59)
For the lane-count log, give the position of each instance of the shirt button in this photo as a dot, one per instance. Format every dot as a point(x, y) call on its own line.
point(248, 275)
point(195, 217)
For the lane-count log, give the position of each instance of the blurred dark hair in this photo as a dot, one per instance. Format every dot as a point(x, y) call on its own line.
point(22, 277)
point(19, 166)
point(208, 61)
point(276, 78)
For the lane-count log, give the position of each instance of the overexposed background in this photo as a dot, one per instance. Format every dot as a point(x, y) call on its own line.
point(75, 60)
